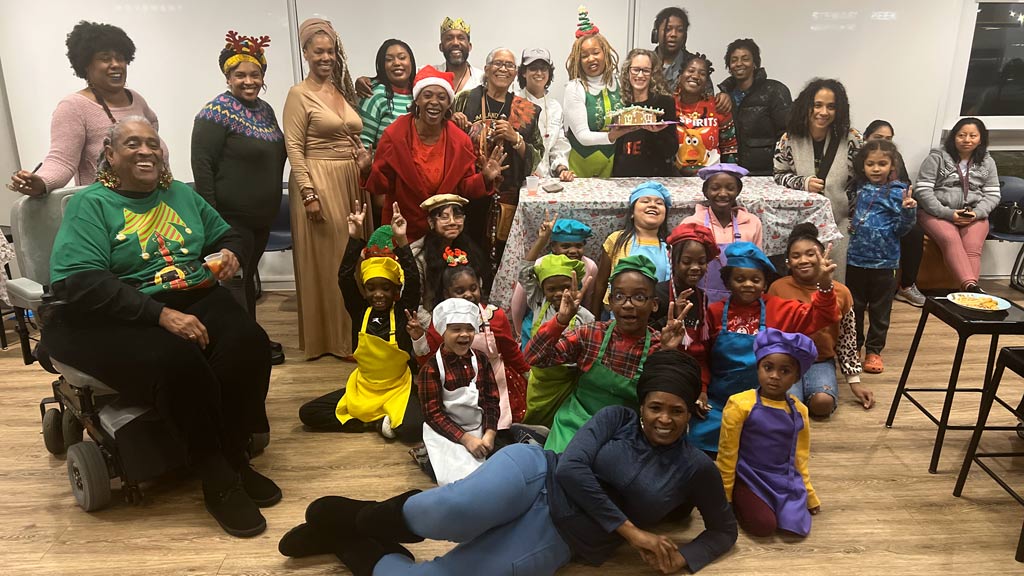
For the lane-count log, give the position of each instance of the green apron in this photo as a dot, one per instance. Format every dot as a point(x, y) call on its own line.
point(594, 161)
point(550, 386)
point(597, 388)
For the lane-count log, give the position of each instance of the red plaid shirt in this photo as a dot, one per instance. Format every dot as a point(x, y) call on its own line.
point(458, 371)
point(550, 347)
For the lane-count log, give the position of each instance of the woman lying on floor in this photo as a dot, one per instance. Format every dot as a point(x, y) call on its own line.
point(531, 511)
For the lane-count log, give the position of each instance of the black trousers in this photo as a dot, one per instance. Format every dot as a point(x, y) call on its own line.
point(214, 397)
point(319, 414)
point(873, 291)
point(911, 253)
point(254, 241)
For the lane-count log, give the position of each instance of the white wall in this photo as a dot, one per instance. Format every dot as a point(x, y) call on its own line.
point(8, 153)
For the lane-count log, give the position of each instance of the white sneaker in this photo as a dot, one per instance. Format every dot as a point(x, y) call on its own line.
point(385, 429)
point(911, 295)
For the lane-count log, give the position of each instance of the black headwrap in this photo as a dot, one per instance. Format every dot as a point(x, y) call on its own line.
point(670, 371)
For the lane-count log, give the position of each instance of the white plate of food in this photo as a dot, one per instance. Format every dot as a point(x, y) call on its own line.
point(978, 302)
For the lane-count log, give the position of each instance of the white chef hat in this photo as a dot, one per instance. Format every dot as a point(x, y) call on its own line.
point(456, 311)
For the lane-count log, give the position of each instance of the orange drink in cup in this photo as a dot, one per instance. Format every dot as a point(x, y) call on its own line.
point(214, 262)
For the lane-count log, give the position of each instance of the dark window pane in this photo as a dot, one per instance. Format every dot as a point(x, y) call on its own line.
point(995, 75)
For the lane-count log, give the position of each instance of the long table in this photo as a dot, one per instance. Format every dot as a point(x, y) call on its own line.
point(602, 204)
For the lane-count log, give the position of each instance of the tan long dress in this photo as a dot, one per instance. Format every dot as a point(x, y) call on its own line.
point(321, 150)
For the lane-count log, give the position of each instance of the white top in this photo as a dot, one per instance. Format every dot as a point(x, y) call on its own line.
point(476, 76)
point(575, 110)
point(556, 145)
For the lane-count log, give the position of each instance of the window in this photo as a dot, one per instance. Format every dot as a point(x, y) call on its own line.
point(995, 74)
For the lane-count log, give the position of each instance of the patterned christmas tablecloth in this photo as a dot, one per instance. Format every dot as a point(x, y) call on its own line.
point(601, 204)
point(6, 255)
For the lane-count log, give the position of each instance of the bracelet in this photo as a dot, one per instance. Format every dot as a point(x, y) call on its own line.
point(309, 199)
point(826, 290)
point(519, 139)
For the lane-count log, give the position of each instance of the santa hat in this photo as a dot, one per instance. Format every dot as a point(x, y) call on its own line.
point(430, 76)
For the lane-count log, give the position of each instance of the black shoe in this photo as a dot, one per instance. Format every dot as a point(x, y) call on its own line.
point(236, 513)
point(361, 555)
point(304, 540)
point(336, 515)
point(276, 356)
point(530, 434)
point(261, 490)
point(276, 346)
point(384, 521)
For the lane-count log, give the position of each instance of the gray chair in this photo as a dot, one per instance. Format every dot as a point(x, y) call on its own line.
point(129, 442)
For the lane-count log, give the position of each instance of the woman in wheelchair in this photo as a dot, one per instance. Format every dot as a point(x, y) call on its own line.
point(140, 310)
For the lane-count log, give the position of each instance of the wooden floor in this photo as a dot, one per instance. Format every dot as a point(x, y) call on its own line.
point(882, 512)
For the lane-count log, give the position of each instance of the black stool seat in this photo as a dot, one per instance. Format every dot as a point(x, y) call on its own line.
point(967, 323)
point(1013, 359)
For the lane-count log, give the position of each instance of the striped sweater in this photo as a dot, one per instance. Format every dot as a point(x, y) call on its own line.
point(377, 113)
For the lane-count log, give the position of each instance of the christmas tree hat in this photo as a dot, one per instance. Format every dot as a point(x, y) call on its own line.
point(584, 27)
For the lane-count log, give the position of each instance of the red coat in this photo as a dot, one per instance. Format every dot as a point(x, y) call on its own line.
point(395, 176)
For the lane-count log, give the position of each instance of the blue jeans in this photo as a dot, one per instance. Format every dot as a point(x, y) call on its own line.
point(820, 377)
point(499, 516)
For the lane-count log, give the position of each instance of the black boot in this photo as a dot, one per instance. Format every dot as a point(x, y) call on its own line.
point(335, 515)
point(361, 555)
point(304, 540)
point(383, 521)
point(232, 508)
point(263, 491)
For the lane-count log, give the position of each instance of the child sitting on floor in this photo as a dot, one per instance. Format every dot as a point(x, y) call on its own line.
point(378, 394)
point(459, 396)
point(728, 221)
point(545, 281)
point(735, 322)
point(567, 237)
point(881, 212)
point(766, 441)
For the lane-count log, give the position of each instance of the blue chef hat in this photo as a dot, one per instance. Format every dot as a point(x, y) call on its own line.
point(747, 255)
point(569, 230)
point(652, 188)
point(800, 347)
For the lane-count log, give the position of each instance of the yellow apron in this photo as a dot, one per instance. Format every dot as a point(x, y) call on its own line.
point(381, 383)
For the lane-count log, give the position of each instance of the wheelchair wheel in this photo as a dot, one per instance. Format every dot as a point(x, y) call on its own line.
point(89, 477)
point(53, 437)
point(72, 428)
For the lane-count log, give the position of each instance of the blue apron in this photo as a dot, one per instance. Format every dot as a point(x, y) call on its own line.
point(733, 370)
point(657, 254)
point(712, 283)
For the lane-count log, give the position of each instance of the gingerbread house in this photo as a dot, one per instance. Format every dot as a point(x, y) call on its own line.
point(633, 115)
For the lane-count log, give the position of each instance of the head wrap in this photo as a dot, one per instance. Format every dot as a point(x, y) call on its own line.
point(697, 233)
point(559, 265)
point(311, 26)
point(584, 27)
point(569, 230)
point(456, 311)
point(531, 55)
point(457, 24)
point(733, 169)
point(430, 76)
point(637, 263)
point(438, 200)
point(652, 188)
point(243, 49)
point(670, 371)
point(800, 347)
point(747, 255)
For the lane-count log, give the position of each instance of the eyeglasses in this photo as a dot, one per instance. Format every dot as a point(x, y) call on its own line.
point(505, 65)
point(636, 299)
point(450, 217)
point(640, 71)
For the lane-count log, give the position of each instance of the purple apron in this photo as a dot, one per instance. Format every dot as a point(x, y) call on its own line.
point(767, 463)
point(712, 282)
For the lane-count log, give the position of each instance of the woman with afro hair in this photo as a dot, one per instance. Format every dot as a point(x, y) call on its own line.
point(100, 55)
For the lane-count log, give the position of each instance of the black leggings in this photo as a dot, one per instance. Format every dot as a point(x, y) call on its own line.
point(320, 415)
point(911, 253)
point(872, 291)
point(214, 397)
point(254, 242)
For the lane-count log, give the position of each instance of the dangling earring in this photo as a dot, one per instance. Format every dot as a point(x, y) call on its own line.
point(108, 178)
point(165, 179)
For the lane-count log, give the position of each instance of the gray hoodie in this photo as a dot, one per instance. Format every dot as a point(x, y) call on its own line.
point(939, 191)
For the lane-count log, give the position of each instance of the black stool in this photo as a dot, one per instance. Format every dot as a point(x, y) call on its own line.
point(967, 323)
point(1012, 358)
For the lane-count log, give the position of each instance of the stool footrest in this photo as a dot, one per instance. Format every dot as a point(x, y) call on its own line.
point(1009, 490)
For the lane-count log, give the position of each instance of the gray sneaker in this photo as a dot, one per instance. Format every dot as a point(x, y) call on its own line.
point(911, 295)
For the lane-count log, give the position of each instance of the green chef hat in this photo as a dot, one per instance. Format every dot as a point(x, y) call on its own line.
point(559, 265)
point(638, 263)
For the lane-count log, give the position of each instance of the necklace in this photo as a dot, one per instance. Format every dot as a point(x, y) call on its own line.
point(854, 225)
point(486, 111)
point(462, 79)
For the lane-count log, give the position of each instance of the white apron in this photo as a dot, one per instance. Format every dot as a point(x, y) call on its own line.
point(450, 460)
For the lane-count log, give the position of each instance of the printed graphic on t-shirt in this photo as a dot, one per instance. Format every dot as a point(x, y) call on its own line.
point(162, 234)
point(698, 141)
